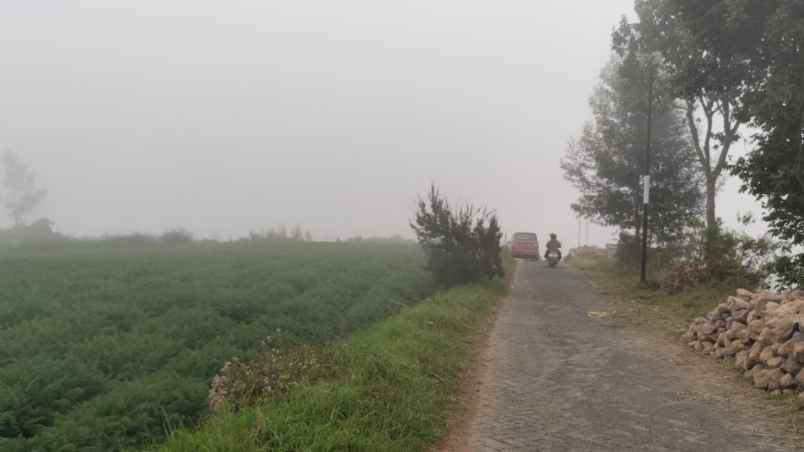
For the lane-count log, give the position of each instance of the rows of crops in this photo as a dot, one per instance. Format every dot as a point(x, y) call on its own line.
point(107, 346)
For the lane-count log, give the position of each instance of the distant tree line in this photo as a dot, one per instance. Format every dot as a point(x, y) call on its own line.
point(21, 196)
point(281, 233)
point(714, 70)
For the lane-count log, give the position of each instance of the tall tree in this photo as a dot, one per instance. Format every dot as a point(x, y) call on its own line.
point(21, 195)
point(706, 83)
point(767, 38)
point(605, 163)
point(774, 169)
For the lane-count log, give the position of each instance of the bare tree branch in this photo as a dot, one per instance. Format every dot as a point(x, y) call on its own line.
point(729, 132)
point(696, 139)
point(707, 148)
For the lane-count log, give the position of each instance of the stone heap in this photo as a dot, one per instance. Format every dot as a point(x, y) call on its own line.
point(764, 335)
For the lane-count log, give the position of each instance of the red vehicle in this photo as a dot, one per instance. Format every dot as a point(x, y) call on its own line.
point(525, 245)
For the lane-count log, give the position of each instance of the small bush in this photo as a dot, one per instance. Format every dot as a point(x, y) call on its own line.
point(272, 374)
point(661, 259)
point(629, 252)
point(684, 276)
point(725, 259)
point(129, 239)
point(714, 257)
point(462, 245)
point(177, 236)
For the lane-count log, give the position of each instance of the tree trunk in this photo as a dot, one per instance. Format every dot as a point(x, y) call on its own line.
point(711, 196)
point(799, 168)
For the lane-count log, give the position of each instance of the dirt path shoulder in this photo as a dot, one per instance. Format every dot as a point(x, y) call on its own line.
point(560, 371)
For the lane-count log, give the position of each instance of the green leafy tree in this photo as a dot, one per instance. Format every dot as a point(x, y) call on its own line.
point(767, 37)
point(606, 162)
point(706, 83)
point(774, 169)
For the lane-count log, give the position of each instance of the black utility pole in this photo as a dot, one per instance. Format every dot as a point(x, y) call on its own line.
point(646, 179)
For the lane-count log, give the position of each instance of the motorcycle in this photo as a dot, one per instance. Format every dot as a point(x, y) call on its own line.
point(553, 258)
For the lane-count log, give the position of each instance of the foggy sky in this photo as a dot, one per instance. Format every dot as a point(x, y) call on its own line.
point(226, 117)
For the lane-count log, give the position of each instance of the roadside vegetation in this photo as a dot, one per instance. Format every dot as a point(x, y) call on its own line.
point(659, 310)
point(388, 388)
point(109, 345)
point(270, 342)
point(685, 280)
point(686, 81)
point(462, 244)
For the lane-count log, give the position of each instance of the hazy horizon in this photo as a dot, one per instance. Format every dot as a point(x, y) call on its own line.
point(225, 119)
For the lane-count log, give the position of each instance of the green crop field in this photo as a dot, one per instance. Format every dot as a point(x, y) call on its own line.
point(107, 346)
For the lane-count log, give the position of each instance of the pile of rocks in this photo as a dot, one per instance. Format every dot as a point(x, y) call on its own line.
point(762, 333)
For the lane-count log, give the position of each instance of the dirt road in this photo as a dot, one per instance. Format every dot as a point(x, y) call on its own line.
point(555, 378)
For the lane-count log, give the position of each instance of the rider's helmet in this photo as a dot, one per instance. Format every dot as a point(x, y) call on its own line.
point(553, 236)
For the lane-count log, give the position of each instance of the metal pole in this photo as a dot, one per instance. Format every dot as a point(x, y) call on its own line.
point(646, 179)
point(587, 232)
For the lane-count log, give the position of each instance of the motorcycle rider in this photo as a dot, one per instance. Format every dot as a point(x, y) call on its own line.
point(553, 245)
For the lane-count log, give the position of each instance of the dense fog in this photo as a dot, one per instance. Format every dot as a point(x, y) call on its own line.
point(227, 117)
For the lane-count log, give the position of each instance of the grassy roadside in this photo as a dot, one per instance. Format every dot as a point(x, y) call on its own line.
point(658, 312)
point(393, 386)
point(655, 309)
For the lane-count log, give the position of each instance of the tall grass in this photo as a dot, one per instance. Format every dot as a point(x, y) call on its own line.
point(392, 388)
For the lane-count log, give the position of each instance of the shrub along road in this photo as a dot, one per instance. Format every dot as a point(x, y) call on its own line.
point(561, 373)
